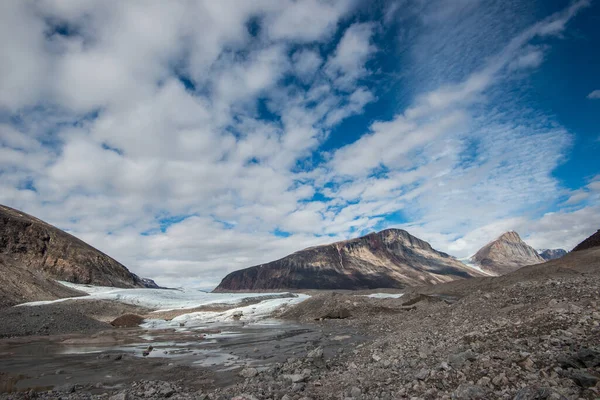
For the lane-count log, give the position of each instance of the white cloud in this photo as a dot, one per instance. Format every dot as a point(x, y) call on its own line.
point(347, 65)
point(594, 95)
point(170, 136)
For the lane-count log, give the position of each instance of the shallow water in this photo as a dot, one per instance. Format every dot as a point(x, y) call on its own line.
point(209, 355)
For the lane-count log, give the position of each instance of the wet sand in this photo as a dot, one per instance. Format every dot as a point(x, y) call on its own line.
point(202, 357)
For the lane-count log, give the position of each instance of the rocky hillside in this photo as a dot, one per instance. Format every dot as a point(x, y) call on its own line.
point(506, 254)
point(551, 254)
point(592, 241)
point(388, 259)
point(33, 253)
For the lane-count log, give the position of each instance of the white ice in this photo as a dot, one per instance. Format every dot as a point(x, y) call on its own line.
point(159, 299)
point(182, 299)
point(251, 314)
point(385, 295)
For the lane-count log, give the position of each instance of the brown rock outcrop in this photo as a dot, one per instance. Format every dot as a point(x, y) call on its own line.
point(33, 253)
point(388, 259)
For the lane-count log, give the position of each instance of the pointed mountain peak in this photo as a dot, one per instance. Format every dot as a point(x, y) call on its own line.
point(511, 236)
point(506, 254)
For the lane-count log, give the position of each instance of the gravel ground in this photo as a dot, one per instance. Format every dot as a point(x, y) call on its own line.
point(71, 316)
point(533, 335)
point(46, 320)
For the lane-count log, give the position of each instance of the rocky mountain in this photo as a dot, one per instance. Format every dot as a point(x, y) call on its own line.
point(33, 253)
point(388, 259)
point(592, 241)
point(551, 254)
point(506, 254)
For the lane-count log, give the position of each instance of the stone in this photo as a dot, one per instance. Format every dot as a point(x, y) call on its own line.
point(355, 392)
point(244, 397)
point(584, 379)
point(456, 361)
point(466, 391)
point(295, 378)
point(119, 396)
point(538, 393)
point(248, 372)
point(588, 357)
point(422, 374)
point(316, 353)
point(298, 387)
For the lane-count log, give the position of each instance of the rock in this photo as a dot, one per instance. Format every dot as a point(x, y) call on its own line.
point(166, 390)
point(500, 380)
point(467, 391)
point(355, 392)
point(538, 393)
point(68, 388)
point(295, 378)
point(316, 353)
point(298, 387)
point(588, 357)
point(237, 315)
point(456, 361)
point(248, 372)
point(244, 397)
point(422, 374)
point(584, 379)
point(444, 366)
point(120, 396)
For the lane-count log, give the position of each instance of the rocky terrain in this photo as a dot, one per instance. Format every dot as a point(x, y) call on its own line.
point(506, 254)
point(531, 334)
point(388, 259)
point(551, 254)
point(34, 253)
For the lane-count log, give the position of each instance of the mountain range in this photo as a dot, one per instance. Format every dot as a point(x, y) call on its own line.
point(552, 254)
point(34, 254)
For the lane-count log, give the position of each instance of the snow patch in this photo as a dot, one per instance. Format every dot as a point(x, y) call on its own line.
point(384, 295)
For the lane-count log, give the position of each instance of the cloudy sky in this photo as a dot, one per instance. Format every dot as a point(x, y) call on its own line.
point(191, 138)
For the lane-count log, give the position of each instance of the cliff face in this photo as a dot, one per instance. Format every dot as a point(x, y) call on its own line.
point(506, 254)
point(388, 259)
point(42, 251)
point(552, 254)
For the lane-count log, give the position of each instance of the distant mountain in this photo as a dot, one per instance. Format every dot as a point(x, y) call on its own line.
point(506, 254)
point(388, 259)
point(592, 241)
point(551, 254)
point(34, 253)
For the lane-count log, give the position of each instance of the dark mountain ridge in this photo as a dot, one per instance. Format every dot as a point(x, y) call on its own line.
point(388, 259)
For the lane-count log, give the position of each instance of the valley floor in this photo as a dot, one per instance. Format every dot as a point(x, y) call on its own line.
point(531, 335)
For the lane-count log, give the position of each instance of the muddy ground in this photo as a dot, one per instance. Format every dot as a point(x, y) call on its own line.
point(204, 358)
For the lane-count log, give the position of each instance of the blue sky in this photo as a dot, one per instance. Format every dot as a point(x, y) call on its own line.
point(190, 139)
